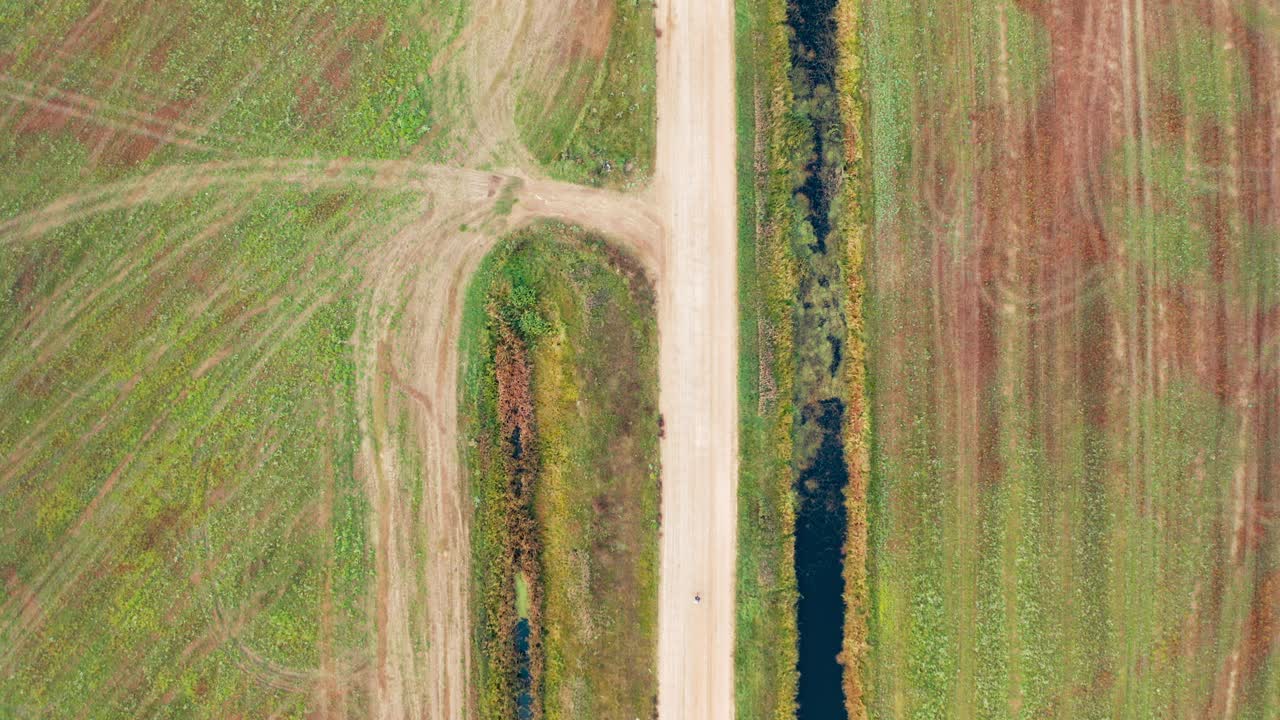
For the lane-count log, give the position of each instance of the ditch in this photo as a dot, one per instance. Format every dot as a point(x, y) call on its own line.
point(821, 469)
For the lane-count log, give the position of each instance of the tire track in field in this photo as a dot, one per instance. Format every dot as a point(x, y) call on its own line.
point(423, 659)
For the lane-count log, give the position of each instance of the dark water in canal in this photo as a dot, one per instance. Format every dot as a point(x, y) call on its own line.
point(820, 536)
point(524, 677)
point(821, 518)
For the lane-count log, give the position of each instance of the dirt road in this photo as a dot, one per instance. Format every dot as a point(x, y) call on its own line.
point(696, 190)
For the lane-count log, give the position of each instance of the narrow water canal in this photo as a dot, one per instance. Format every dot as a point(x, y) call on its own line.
point(821, 522)
point(820, 537)
point(524, 675)
point(524, 658)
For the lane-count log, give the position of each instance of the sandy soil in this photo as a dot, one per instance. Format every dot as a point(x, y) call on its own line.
point(696, 189)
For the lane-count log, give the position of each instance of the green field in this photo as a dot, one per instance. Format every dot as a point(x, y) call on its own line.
point(213, 217)
point(184, 528)
point(560, 408)
point(1070, 297)
point(161, 550)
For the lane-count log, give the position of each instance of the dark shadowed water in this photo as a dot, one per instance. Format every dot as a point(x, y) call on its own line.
point(820, 536)
point(524, 678)
point(821, 517)
point(813, 53)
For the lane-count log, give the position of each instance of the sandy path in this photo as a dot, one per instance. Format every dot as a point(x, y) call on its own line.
point(696, 189)
point(684, 232)
point(432, 678)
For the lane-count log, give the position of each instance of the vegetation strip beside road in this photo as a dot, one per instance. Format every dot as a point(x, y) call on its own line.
point(765, 649)
point(560, 405)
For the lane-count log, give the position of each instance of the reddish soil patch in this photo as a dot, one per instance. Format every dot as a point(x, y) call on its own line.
point(104, 36)
point(313, 100)
point(24, 286)
point(38, 382)
point(338, 71)
point(123, 142)
point(308, 93)
point(1264, 625)
point(198, 276)
point(42, 118)
point(590, 26)
point(159, 55)
point(369, 30)
point(164, 529)
point(31, 613)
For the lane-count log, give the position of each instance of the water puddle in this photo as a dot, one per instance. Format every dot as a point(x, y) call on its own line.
point(524, 675)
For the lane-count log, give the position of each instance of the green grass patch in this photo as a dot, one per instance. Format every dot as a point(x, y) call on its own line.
point(522, 596)
point(596, 122)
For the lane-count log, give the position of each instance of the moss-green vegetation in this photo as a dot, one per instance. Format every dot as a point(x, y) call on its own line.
point(594, 122)
point(184, 530)
point(585, 315)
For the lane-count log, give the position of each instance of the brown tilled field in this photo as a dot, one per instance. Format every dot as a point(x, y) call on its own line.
point(1074, 336)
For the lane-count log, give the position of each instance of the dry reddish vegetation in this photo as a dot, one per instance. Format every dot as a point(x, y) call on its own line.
point(520, 466)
